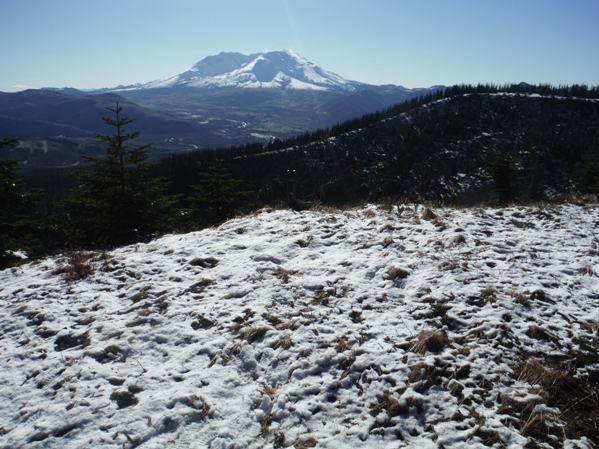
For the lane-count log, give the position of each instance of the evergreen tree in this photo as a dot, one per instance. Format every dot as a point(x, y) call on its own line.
point(503, 173)
point(535, 183)
point(218, 195)
point(15, 201)
point(588, 174)
point(119, 202)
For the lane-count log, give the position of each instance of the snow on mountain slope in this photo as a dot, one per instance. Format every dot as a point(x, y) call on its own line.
point(367, 328)
point(276, 69)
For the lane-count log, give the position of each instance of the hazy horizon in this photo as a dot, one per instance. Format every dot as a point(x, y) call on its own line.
point(92, 44)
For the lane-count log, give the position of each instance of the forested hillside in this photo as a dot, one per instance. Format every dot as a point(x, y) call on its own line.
point(461, 148)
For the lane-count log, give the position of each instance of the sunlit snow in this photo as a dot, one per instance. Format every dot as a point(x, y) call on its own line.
point(288, 328)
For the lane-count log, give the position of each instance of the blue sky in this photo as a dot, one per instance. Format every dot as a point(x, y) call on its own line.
point(414, 43)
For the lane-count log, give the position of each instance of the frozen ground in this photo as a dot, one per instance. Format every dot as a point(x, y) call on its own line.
point(361, 328)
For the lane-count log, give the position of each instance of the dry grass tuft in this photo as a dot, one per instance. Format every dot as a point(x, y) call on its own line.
point(342, 345)
point(428, 214)
point(272, 319)
point(252, 334)
point(265, 426)
point(206, 262)
point(284, 342)
point(429, 340)
point(270, 392)
point(305, 243)
point(283, 274)
point(285, 325)
point(457, 240)
point(305, 443)
point(448, 265)
point(369, 213)
point(588, 270)
point(519, 298)
point(387, 227)
point(538, 333)
point(535, 373)
point(395, 273)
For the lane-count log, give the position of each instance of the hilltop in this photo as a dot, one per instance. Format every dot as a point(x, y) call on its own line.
point(378, 327)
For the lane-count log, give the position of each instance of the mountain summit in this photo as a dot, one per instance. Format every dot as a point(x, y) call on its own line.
point(276, 69)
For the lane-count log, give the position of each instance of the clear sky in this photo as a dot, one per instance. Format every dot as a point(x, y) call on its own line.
point(414, 43)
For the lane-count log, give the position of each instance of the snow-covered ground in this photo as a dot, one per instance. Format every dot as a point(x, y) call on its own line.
point(332, 329)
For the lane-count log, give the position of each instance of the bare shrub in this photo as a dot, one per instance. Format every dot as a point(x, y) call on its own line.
point(78, 265)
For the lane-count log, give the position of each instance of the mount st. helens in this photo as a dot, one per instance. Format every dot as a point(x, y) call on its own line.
point(276, 69)
point(264, 95)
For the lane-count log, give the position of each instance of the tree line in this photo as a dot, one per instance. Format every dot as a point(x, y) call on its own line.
point(122, 197)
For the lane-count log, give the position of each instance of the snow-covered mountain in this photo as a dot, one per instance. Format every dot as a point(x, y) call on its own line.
point(276, 69)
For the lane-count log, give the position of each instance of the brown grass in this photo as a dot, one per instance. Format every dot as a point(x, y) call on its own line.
point(285, 325)
point(587, 270)
point(283, 274)
point(395, 273)
point(206, 262)
point(304, 243)
point(270, 392)
point(252, 334)
point(305, 443)
point(342, 345)
point(429, 340)
point(78, 265)
point(284, 342)
point(428, 214)
point(457, 240)
point(519, 298)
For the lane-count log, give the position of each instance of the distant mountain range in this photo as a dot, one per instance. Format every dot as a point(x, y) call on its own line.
point(223, 100)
